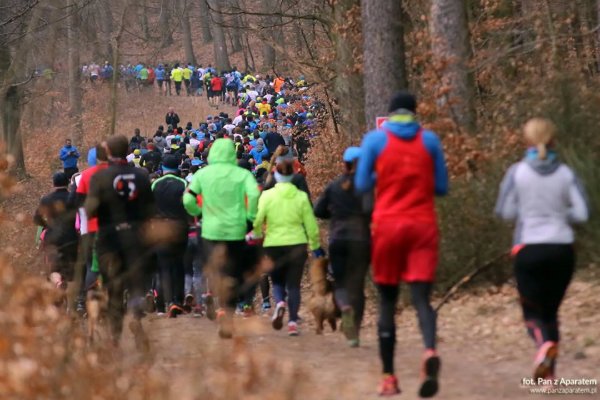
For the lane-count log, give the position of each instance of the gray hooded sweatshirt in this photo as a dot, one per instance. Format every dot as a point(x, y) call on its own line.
point(544, 197)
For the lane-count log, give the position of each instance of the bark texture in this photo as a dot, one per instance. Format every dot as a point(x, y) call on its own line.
point(219, 43)
point(450, 44)
point(384, 57)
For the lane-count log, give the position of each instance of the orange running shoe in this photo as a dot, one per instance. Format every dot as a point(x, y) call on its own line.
point(545, 360)
point(225, 323)
point(388, 386)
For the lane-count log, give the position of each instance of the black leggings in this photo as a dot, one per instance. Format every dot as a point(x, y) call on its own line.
point(388, 297)
point(123, 261)
point(235, 270)
point(543, 273)
point(287, 274)
point(349, 264)
point(170, 258)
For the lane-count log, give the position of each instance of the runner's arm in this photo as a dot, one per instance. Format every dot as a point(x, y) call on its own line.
point(190, 197)
point(252, 195)
point(372, 145)
point(260, 216)
point(434, 146)
point(310, 226)
point(506, 205)
point(322, 205)
point(578, 211)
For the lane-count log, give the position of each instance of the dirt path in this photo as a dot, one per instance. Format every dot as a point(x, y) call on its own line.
point(485, 354)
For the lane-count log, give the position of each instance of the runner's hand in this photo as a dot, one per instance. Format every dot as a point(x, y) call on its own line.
point(318, 253)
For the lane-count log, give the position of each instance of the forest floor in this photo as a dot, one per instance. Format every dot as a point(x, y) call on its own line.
point(485, 351)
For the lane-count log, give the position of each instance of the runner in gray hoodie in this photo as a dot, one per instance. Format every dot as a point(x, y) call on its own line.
point(544, 197)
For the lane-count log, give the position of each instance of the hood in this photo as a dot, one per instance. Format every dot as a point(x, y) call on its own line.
point(286, 189)
point(403, 126)
point(222, 151)
point(260, 144)
point(542, 167)
point(159, 139)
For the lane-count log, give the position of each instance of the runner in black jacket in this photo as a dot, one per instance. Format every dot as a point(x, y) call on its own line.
point(121, 197)
point(349, 239)
point(57, 216)
point(168, 193)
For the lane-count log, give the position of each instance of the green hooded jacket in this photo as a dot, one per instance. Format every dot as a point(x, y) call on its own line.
point(229, 195)
point(289, 217)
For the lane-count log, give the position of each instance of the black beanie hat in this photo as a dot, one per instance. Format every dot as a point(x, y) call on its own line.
point(59, 179)
point(403, 99)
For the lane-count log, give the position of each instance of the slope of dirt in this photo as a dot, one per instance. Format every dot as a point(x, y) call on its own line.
point(485, 352)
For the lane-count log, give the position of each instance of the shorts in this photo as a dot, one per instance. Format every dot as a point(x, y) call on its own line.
point(404, 251)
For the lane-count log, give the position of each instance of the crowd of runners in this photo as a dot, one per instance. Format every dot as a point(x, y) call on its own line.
point(152, 215)
point(228, 87)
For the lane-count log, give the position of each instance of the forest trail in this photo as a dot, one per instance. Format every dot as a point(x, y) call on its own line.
point(485, 353)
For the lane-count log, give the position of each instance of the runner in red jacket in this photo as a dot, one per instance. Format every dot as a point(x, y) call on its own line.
point(405, 165)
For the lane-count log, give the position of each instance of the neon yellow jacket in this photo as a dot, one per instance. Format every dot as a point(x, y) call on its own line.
point(177, 75)
point(289, 217)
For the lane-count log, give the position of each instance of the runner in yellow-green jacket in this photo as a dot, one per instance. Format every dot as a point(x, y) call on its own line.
point(291, 228)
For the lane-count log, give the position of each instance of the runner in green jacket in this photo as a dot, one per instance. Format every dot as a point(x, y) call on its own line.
point(229, 201)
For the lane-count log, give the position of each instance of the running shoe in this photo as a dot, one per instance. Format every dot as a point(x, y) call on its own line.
point(209, 303)
point(175, 310)
point(197, 311)
point(545, 360)
point(277, 319)
point(188, 303)
point(142, 343)
point(349, 328)
point(266, 306)
point(429, 374)
point(293, 329)
point(388, 386)
point(248, 311)
point(150, 302)
point(225, 323)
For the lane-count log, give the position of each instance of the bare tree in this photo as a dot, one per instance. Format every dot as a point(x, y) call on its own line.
point(166, 33)
point(106, 19)
point(143, 8)
point(348, 83)
point(268, 22)
point(236, 26)
point(384, 58)
point(205, 21)
point(75, 95)
point(450, 42)
point(16, 41)
point(220, 45)
point(186, 31)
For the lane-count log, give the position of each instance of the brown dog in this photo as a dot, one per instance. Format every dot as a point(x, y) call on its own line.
point(322, 304)
point(96, 305)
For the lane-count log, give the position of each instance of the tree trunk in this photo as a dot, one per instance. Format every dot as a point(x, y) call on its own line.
point(144, 20)
point(205, 22)
point(219, 43)
point(384, 58)
point(75, 96)
point(235, 26)
point(14, 75)
point(186, 31)
point(450, 44)
point(164, 20)
point(107, 27)
point(268, 50)
point(348, 84)
point(116, 45)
